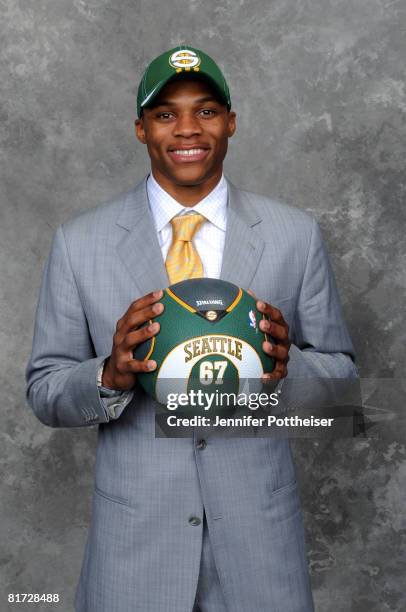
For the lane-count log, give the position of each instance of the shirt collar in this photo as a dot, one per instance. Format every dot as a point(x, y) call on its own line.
point(164, 207)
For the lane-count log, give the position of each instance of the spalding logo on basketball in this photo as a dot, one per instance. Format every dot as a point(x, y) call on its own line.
point(209, 338)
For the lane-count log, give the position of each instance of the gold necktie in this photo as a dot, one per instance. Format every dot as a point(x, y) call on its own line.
point(183, 260)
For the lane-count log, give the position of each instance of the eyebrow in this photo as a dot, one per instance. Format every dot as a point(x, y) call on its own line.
point(198, 101)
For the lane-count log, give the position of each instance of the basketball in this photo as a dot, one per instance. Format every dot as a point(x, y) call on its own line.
point(209, 338)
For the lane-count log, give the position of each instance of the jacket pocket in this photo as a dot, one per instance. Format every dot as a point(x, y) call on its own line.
point(113, 498)
point(285, 489)
point(283, 503)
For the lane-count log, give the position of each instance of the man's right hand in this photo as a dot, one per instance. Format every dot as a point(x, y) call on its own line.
point(120, 369)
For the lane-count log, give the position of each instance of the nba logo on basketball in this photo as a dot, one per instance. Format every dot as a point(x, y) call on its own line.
point(253, 319)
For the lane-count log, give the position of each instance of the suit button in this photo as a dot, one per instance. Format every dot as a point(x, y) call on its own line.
point(194, 521)
point(201, 445)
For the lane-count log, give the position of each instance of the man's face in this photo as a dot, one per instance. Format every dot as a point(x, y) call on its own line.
point(186, 132)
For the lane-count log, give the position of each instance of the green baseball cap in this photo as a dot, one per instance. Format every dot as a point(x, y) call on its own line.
point(181, 60)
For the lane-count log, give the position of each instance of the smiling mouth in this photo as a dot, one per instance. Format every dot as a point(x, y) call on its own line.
point(188, 155)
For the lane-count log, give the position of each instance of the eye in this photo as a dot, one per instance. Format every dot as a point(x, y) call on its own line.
point(208, 112)
point(164, 115)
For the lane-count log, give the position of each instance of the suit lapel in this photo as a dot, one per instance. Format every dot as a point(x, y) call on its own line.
point(140, 250)
point(141, 254)
point(243, 247)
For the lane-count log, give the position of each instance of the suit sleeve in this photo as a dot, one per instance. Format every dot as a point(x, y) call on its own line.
point(61, 374)
point(321, 345)
point(321, 368)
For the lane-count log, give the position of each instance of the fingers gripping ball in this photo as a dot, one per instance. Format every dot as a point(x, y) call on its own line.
point(209, 339)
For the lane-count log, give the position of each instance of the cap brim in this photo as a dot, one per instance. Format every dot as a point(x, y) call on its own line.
point(148, 101)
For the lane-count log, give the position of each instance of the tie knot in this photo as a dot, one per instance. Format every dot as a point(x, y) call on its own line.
point(184, 227)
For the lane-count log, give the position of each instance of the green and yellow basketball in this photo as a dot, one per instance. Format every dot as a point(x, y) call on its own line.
point(209, 338)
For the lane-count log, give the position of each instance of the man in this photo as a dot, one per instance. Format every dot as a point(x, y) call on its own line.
point(182, 524)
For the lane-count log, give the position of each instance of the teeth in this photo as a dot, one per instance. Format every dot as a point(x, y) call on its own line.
point(188, 151)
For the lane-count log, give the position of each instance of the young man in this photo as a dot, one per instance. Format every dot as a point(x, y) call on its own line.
point(182, 524)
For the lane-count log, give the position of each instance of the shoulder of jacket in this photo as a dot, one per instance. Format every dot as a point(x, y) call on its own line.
point(276, 210)
point(102, 215)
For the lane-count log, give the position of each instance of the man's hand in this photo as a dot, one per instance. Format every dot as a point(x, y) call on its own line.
point(121, 368)
point(279, 330)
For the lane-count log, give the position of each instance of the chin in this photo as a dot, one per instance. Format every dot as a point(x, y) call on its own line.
point(189, 177)
point(190, 182)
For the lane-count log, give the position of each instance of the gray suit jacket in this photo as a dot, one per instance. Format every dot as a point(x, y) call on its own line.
point(142, 554)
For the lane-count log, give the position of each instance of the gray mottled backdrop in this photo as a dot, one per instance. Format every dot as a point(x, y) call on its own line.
point(319, 89)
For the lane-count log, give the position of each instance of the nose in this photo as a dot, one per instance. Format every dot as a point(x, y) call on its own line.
point(187, 125)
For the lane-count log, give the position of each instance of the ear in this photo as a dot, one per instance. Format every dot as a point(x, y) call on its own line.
point(232, 124)
point(139, 130)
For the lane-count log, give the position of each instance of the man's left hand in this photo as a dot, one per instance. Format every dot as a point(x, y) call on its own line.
point(276, 327)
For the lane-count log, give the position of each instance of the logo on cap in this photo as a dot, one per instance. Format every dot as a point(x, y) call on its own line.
point(185, 60)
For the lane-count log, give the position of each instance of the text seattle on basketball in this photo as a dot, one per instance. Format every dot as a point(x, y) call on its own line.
point(223, 345)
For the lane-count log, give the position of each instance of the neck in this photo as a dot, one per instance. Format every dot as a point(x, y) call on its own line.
point(187, 195)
